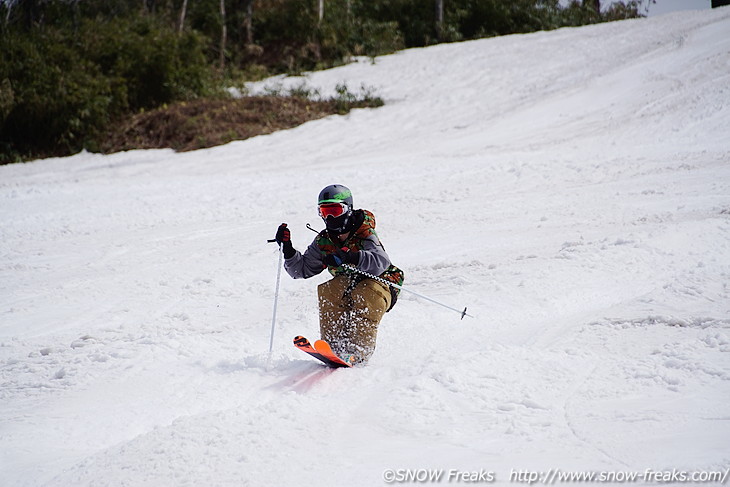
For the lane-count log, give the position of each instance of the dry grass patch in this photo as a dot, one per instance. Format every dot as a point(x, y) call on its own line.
point(210, 122)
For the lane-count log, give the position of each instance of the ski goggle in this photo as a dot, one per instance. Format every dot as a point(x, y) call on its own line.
point(332, 209)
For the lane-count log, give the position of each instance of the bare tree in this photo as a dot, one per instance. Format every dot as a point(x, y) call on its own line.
point(183, 13)
point(248, 22)
point(224, 35)
point(439, 19)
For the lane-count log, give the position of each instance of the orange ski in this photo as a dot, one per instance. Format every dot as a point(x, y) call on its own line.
point(324, 348)
point(321, 351)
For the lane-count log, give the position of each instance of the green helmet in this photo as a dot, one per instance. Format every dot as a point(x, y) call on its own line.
point(335, 193)
point(335, 207)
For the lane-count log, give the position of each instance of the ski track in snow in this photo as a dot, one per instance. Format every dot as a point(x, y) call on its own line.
point(571, 187)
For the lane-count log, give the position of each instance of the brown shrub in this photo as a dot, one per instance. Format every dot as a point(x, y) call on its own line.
point(205, 123)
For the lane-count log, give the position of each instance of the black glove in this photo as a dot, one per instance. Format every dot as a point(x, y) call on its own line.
point(340, 258)
point(283, 238)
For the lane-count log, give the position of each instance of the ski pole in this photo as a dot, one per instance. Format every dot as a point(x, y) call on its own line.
point(276, 298)
point(398, 286)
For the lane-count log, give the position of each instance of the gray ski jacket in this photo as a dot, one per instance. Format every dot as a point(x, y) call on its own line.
point(373, 258)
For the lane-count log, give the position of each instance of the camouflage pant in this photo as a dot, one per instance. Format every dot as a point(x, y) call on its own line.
point(349, 316)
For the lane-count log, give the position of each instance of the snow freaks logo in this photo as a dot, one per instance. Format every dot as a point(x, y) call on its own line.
point(423, 476)
point(552, 476)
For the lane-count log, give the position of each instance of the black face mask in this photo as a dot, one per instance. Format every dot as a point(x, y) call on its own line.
point(340, 224)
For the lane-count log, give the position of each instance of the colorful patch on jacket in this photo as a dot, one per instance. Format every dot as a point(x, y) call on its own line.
point(355, 243)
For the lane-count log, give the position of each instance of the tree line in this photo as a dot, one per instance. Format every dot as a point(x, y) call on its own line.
point(71, 67)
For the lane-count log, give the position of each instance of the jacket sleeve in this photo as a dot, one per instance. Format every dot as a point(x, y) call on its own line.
point(373, 258)
point(306, 265)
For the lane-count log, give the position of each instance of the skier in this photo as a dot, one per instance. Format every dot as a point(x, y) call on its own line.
point(351, 304)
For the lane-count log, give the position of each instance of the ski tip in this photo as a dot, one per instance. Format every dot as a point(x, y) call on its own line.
point(323, 345)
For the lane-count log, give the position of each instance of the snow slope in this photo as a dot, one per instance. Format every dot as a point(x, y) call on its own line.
point(571, 187)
